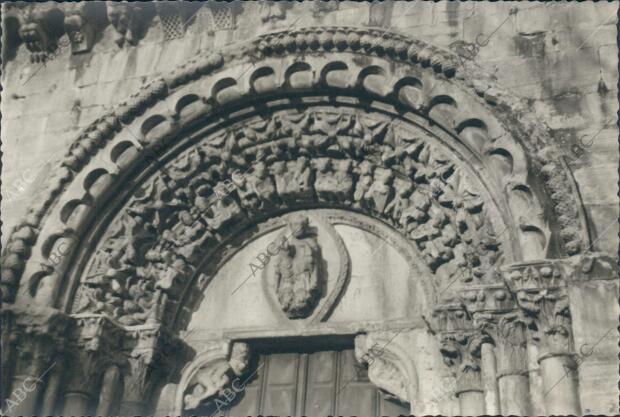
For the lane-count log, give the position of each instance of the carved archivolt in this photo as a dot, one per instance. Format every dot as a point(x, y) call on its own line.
point(438, 191)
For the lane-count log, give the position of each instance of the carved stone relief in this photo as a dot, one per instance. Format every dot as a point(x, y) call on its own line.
point(212, 371)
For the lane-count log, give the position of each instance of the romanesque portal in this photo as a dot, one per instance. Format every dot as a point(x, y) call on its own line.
point(322, 221)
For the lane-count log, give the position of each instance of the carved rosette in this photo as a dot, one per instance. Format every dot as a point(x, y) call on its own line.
point(221, 365)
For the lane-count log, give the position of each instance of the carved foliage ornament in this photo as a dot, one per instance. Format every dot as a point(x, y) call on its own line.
point(316, 40)
point(148, 257)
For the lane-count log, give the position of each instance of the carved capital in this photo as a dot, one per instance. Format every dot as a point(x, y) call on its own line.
point(487, 298)
point(460, 344)
point(540, 291)
point(387, 364)
point(212, 372)
point(452, 317)
point(96, 342)
point(33, 336)
point(461, 351)
point(152, 353)
point(535, 275)
point(508, 330)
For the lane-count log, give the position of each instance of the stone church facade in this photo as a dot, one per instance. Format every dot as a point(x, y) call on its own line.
point(309, 208)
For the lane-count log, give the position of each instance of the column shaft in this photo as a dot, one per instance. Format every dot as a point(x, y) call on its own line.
point(489, 379)
point(560, 385)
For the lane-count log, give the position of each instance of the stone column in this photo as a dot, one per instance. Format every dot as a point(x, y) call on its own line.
point(155, 355)
point(494, 312)
point(461, 347)
point(96, 343)
point(35, 337)
point(512, 373)
point(540, 289)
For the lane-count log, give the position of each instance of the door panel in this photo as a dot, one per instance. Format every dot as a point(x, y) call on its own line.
point(312, 384)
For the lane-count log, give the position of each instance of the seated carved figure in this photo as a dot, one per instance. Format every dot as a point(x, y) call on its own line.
point(256, 189)
point(333, 180)
point(379, 192)
point(297, 270)
point(294, 180)
point(364, 182)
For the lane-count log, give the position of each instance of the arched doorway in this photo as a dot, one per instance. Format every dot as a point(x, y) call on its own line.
point(154, 200)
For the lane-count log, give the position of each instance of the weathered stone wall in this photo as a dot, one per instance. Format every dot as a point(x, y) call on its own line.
point(560, 57)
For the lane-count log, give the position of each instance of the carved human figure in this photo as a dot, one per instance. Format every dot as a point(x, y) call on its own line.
point(401, 201)
point(189, 236)
point(207, 383)
point(298, 270)
point(333, 180)
point(294, 180)
point(225, 211)
point(379, 192)
point(363, 184)
point(256, 189)
point(417, 212)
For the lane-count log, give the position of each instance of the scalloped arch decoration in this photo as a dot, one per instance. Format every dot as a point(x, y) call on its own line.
point(364, 69)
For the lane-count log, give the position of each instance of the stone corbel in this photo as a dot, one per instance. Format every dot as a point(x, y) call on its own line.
point(389, 366)
point(126, 19)
point(214, 376)
point(80, 26)
point(274, 10)
point(39, 29)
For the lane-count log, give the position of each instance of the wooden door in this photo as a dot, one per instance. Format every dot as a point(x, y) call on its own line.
point(319, 383)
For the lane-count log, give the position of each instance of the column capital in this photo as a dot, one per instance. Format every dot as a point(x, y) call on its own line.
point(460, 345)
point(95, 343)
point(34, 335)
point(540, 289)
point(151, 353)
